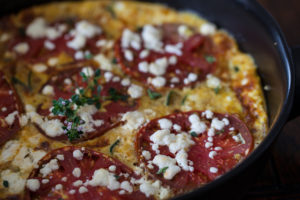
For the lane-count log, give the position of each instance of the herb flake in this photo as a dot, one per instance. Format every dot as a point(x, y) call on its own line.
point(153, 95)
point(184, 99)
point(162, 170)
point(236, 68)
point(111, 148)
point(169, 97)
point(210, 59)
point(5, 183)
point(217, 90)
point(193, 134)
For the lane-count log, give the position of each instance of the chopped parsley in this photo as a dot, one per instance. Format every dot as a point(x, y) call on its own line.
point(194, 134)
point(210, 59)
point(114, 95)
point(5, 183)
point(169, 97)
point(236, 68)
point(88, 56)
point(162, 170)
point(111, 148)
point(111, 10)
point(184, 99)
point(220, 132)
point(217, 90)
point(153, 95)
point(114, 60)
point(69, 108)
point(117, 177)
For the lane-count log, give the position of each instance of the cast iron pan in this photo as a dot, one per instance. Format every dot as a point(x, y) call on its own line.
point(258, 34)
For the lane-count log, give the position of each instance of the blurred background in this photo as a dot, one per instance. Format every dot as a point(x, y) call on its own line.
point(287, 14)
point(280, 179)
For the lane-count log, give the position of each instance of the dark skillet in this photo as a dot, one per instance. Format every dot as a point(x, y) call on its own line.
point(258, 34)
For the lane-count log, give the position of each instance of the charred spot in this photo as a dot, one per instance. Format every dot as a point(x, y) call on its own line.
point(45, 145)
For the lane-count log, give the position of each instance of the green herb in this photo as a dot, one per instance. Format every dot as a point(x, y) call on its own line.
point(88, 56)
point(139, 29)
point(194, 134)
point(153, 95)
point(217, 90)
point(114, 95)
point(110, 9)
point(5, 183)
point(169, 96)
point(114, 61)
point(162, 170)
point(184, 99)
point(111, 148)
point(69, 108)
point(236, 68)
point(117, 177)
point(210, 59)
point(219, 132)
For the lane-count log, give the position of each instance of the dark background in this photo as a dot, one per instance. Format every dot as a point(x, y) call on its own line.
point(280, 179)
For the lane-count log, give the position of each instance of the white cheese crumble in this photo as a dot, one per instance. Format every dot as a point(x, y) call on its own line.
point(143, 67)
point(212, 81)
point(146, 154)
point(48, 90)
point(144, 54)
point(217, 124)
point(213, 170)
point(128, 55)
point(104, 62)
point(135, 91)
point(159, 66)
point(87, 29)
point(60, 157)
point(49, 45)
point(133, 120)
point(125, 82)
point(21, 48)
point(49, 167)
point(102, 177)
point(152, 38)
point(112, 168)
point(208, 29)
point(163, 161)
point(88, 71)
point(33, 184)
point(165, 124)
point(130, 39)
point(158, 81)
point(197, 126)
point(77, 154)
point(39, 67)
point(82, 190)
point(58, 187)
point(76, 172)
point(174, 49)
point(10, 118)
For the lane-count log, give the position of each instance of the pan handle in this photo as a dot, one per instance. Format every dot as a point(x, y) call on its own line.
point(296, 58)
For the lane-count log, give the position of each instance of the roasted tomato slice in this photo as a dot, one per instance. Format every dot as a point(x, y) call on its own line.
point(186, 150)
point(116, 98)
point(10, 108)
point(40, 40)
point(166, 56)
point(76, 173)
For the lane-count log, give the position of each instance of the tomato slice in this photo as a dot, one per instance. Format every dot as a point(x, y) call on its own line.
point(211, 152)
point(72, 176)
point(38, 50)
point(10, 108)
point(66, 81)
point(191, 60)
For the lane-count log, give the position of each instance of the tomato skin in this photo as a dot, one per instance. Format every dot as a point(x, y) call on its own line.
point(224, 160)
point(90, 162)
point(9, 103)
point(192, 59)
